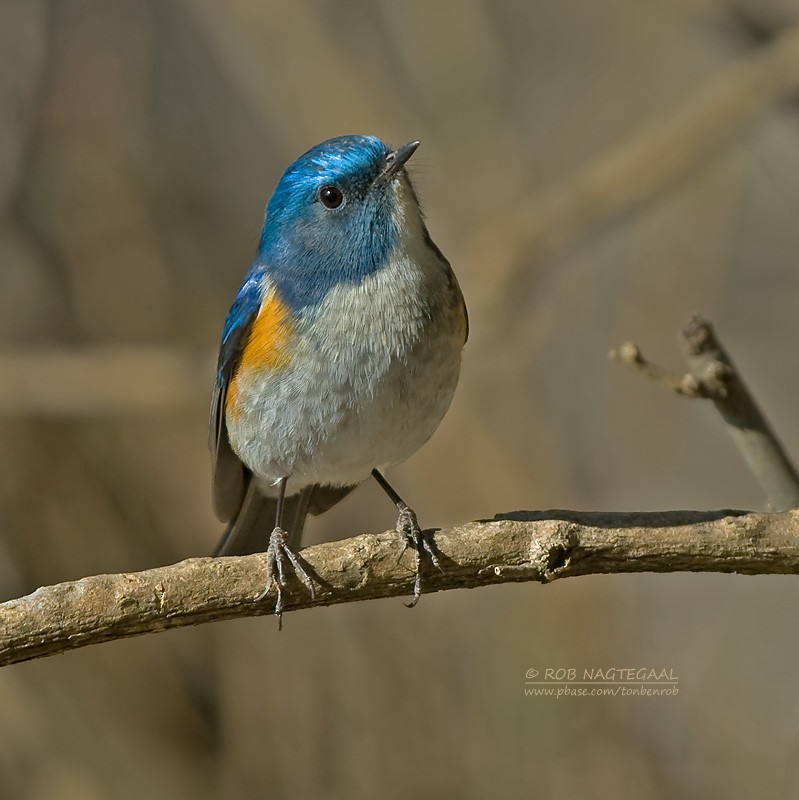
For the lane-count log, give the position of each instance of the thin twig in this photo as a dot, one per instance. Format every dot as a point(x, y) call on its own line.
point(764, 454)
point(630, 354)
point(522, 546)
point(714, 376)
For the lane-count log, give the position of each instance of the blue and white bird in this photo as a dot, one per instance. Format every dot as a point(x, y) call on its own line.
point(339, 357)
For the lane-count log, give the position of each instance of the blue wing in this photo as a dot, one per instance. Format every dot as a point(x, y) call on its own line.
point(230, 476)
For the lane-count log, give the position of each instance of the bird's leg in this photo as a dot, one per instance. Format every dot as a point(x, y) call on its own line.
point(277, 553)
point(412, 535)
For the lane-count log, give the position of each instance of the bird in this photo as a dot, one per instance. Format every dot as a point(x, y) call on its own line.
point(339, 356)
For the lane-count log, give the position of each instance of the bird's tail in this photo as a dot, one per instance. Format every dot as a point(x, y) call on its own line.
point(249, 531)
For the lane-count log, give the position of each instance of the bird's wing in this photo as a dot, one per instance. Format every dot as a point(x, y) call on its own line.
point(455, 288)
point(230, 476)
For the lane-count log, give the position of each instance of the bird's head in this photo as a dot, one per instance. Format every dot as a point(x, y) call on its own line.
point(337, 213)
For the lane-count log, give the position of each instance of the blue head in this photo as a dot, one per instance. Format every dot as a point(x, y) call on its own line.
point(334, 217)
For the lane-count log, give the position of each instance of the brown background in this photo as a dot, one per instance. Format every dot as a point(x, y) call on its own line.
point(595, 171)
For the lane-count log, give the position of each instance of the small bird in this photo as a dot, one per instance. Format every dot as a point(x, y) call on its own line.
point(339, 356)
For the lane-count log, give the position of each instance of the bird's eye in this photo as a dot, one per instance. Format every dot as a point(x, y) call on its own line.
point(331, 196)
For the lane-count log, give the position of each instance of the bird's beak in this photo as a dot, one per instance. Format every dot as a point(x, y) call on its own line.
point(397, 158)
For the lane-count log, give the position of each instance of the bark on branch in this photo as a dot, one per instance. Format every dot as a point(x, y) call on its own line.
point(521, 546)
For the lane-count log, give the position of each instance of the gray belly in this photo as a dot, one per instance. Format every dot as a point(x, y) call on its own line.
point(367, 386)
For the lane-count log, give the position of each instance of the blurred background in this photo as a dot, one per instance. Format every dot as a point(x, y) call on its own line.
point(594, 172)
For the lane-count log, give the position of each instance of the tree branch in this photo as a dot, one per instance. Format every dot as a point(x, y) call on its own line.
point(521, 546)
point(762, 450)
point(714, 376)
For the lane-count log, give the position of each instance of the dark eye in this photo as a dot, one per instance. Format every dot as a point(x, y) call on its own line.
point(331, 196)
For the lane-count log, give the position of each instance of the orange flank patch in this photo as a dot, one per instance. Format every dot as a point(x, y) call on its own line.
point(267, 345)
point(232, 397)
point(266, 348)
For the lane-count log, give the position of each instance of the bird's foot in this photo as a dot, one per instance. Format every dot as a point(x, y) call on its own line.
point(277, 555)
point(422, 544)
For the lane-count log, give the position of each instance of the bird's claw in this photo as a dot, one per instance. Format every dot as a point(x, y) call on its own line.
point(277, 554)
point(422, 544)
